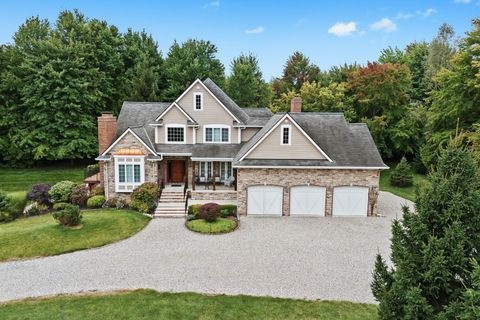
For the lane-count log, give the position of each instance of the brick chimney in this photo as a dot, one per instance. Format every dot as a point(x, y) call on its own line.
point(296, 104)
point(107, 131)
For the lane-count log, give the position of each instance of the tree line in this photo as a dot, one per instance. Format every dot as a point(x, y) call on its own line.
point(56, 78)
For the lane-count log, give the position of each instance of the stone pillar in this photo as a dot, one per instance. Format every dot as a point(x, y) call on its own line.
point(329, 201)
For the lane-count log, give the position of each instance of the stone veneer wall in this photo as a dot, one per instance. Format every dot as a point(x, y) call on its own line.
point(287, 178)
point(151, 167)
point(213, 195)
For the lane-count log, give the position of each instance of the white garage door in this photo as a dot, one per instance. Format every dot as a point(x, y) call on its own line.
point(265, 200)
point(307, 200)
point(350, 201)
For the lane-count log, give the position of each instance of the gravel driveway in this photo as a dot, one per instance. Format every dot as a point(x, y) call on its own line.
point(313, 258)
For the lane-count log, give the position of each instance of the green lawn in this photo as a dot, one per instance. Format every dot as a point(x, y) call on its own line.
point(43, 236)
point(218, 226)
point(149, 304)
point(14, 180)
point(408, 192)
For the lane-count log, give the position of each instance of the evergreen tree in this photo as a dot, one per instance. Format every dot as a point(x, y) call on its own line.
point(193, 59)
point(432, 248)
point(245, 84)
point(401, 176)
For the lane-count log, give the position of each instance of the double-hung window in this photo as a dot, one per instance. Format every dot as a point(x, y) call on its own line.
point(206, 169)
point(219, 134)
point(175, 133)
point(129, 173)
point(198, 101)
point(286, 135)
point(225, 170)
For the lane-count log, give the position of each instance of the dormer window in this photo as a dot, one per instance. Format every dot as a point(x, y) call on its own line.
point(286, 135)
point(198, 101)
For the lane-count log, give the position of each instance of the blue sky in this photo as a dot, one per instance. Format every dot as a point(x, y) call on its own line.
point(329, 32)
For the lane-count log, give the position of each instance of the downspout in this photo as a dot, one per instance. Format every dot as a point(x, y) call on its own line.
point(106, 180)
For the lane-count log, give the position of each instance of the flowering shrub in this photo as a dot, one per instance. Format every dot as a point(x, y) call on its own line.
point(61, 191)
point(39, 193)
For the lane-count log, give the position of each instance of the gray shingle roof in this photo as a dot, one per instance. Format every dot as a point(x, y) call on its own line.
point(348, 145)
point(134, 114)
point(200, 150)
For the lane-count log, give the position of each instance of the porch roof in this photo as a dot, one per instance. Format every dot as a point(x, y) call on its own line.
point(200, 150)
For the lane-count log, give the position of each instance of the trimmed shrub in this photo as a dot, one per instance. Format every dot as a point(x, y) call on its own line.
point(95, 202)
point(79, 195)
point(123, 204)
point(228, 210)
point(111, 203)
point(194, 209)
point(5, 208)
point(92, 169)
point(144, 197)
point(69, 216)
point(59, 206)
point(209, 212)
point(61, 191)
point(401, 176)
point(98, 191)
point(35, 209)
point(39, 193)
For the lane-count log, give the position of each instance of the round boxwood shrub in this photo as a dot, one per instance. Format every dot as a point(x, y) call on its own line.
point(209, 212)
point(70, 216)
point(61, 191)
point(95, 202)
point(39, 193)
point(79, 195)
point(59, 206)
point(144, 197)
point(194, 209)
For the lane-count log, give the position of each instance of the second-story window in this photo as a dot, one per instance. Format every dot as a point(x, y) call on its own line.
point(198, 101)
point(286, 135)
point(217, 134)
point(175, 134)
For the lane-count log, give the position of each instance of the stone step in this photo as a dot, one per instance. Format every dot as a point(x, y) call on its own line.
point(168, 215)
point(170, 209)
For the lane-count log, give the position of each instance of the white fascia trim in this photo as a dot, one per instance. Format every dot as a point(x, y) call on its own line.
point(311, 167)
point(214, 96)
point(195, 94)
point(221, 126)
point(156, 124)
point(173, 154)
point(106, 160)
point(213, 159)
point(123, 135)
point(176, 125)
point(179, 108)
point(274, 127)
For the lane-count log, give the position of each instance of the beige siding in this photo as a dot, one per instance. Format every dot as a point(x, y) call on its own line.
point(212, 113)
point(173, 116)
point(299, 148)
point(248, 133)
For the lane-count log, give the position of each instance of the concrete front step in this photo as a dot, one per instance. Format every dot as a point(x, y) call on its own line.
point(168, 215)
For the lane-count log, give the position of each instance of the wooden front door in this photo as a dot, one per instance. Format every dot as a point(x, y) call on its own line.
point(177, 170)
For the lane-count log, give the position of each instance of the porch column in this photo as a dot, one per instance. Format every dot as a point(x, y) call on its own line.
point(194, 164)
point(214, 173)
point(185, 174)
point(235, 182)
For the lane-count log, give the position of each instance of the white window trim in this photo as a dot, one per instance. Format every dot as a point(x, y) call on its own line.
point(289, 135)
point(229, 174)
point(205, 165)
point(133, 184)
point(195, 94)
point(213, 126)
point(174, 125)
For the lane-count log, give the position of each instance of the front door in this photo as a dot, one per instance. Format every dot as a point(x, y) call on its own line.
point(177, 170)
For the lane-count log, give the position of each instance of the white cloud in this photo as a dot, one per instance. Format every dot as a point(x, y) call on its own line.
point(402, 15)
point(342, 29)
point(384, 24)
point(258, 29)
point(211, 4)
point(462, 1)
point(429, 12)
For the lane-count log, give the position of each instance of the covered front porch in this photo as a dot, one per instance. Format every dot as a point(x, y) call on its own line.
point(198, 175)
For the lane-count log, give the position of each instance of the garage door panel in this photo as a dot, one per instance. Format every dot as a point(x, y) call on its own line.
point(265, 200)
point(307, 200)
point(350, 201)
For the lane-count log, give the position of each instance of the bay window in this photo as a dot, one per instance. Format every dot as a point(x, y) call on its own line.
point(129, 173)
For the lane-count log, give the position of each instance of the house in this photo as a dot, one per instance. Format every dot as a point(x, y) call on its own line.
point(294, 163)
